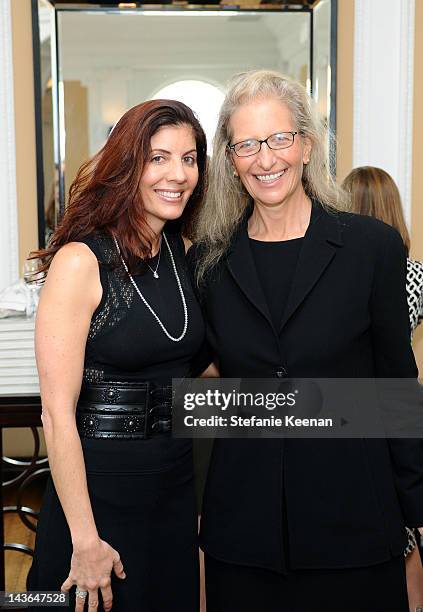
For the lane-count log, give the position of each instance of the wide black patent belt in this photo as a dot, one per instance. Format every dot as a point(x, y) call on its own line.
point(129, 411)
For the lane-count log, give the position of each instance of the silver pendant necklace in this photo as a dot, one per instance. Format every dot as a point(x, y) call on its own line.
point(155, 273)
point(184, 331)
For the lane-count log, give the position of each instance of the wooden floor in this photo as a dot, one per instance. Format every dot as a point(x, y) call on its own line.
point(18, 563)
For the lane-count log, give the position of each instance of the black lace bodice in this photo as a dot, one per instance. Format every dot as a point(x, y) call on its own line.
point(125, 342)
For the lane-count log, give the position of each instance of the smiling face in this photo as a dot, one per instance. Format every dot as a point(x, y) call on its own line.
point(272, 177)
point(170, 175)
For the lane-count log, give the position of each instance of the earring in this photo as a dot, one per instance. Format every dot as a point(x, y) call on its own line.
point(236, 175)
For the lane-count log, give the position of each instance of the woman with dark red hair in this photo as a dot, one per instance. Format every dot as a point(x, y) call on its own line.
point(117, 320)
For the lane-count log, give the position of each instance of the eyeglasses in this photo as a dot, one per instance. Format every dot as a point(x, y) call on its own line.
point(245, 148)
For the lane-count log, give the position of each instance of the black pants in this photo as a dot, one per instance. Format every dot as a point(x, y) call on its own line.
point(236, 588)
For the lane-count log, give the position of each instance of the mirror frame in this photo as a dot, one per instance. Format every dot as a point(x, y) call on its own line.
point(57, 101)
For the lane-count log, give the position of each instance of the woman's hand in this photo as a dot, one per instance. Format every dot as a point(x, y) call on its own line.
point(91, 568)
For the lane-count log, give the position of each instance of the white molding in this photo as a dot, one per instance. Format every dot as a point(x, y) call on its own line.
point(9, 251)
point(383, 89)
point(406, 107)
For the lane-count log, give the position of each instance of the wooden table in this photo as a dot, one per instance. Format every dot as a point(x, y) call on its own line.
point(19, 411)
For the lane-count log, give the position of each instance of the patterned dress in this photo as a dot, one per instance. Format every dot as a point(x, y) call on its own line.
point(415, 307)
point(415, 292)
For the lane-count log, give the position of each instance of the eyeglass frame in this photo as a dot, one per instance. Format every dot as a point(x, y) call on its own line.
point(231, 147)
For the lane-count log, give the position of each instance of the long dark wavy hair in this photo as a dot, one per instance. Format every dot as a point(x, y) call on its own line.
point(105, 196)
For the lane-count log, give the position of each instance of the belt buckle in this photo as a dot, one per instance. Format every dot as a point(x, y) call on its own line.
point(155, 424)
point(110, 393)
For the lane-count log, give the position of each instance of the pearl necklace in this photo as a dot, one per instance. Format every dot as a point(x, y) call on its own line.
point(184, 331)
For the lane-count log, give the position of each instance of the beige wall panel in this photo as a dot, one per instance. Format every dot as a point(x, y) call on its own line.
point(417, 185)
point(24, 128)
point(76, 122)
point(418, 348)
point(344, 89)
point(18, 442)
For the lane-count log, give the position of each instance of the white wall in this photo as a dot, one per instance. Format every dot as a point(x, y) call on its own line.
point(9, 255)
point(383, 89)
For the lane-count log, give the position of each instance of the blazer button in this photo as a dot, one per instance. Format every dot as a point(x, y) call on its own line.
point(281, 372)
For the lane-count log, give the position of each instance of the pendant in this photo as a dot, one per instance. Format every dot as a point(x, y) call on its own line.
point(155, 275)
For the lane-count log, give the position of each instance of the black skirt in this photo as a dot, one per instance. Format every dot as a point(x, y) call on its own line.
point(142, 495)
point(237, 588)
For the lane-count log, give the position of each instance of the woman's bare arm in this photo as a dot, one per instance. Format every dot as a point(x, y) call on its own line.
point(71, 293)
point(211, 371)
point(414, 572)
point(67, 302)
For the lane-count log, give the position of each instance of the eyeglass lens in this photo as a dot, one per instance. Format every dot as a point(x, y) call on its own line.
point(281, 140)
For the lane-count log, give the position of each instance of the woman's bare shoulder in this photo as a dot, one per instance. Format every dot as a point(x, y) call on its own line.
point(74, 277)
point(74, 257)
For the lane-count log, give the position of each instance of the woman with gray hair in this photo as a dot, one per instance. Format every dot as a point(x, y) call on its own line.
point(294, 286)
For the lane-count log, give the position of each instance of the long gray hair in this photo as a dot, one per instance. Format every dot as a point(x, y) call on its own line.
point(227, 199)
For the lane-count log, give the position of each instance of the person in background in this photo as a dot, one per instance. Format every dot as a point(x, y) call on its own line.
point(117, 320)
point(373, 192)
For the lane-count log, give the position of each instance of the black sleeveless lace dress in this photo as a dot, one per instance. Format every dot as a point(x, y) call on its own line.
point(141, 491)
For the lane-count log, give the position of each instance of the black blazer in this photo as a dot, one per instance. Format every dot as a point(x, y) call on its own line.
point(313, 503)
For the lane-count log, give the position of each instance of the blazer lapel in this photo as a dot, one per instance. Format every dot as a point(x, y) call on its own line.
point(242, 267)
point(321, 240)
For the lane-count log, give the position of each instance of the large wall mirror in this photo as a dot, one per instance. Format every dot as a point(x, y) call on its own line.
point(94, 61)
